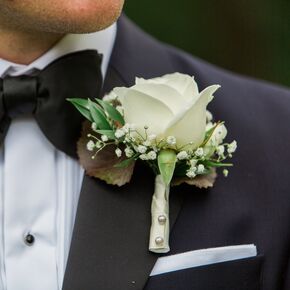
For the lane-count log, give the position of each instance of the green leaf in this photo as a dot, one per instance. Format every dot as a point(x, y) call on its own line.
point(125, 163)
point(80, 102)
point(166, 163)
point(181, 168)
point(83, 107)
point(113, 113)
point(98, 116)
point(210, 163)
point(109, 133)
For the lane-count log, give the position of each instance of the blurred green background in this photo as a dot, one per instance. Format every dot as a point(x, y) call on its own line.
point(247, 36)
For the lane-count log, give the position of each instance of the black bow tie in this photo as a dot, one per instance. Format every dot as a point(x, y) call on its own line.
point(76, 75)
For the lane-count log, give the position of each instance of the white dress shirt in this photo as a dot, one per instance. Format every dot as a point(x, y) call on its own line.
point(40, 186)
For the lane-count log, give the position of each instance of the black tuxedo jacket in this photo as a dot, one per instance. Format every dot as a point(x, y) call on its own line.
point(109, 249)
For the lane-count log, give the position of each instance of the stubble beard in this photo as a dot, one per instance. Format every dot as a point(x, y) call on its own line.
point(54, 21)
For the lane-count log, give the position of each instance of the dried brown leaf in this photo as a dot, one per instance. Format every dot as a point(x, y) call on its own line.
point(102, 166)
point(201, 181)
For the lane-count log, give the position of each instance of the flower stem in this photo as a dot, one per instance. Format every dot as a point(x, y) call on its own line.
point(159, 232)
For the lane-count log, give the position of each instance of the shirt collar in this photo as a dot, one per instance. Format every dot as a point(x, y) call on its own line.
point(102, 41)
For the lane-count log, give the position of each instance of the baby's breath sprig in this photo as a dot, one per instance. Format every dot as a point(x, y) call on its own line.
point(109, 128)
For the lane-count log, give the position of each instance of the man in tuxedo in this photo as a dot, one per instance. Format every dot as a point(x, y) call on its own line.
point(60, 229)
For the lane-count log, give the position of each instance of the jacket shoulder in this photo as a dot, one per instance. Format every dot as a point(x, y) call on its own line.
point(207, 74)
point(137, 53)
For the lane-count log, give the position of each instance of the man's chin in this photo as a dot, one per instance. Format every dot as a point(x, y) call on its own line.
point(64, 27)
point(87, 21)
point(68, 17)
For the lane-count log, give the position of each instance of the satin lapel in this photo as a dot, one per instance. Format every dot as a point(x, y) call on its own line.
point(109, 247)
point(110, 243)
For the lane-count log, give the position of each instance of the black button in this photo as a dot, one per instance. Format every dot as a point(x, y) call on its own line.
point(29, 239)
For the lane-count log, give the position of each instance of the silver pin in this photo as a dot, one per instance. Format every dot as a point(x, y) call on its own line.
point(162, 219)
point(159, 240)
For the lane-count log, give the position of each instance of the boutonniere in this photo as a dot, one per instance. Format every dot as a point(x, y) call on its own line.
point(164, 123)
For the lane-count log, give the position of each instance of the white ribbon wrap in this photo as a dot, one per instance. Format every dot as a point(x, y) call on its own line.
point(159, 232)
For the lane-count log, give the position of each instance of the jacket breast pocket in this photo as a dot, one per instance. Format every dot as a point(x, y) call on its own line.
point(242, 274)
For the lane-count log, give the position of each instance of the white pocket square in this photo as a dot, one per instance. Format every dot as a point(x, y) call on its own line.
point(202, 257)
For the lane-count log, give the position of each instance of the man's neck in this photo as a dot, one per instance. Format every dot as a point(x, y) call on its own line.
point(24, 47)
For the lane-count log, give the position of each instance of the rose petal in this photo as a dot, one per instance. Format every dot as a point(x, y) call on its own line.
point(164, 94)
point(182, 83)
point(143, 110)
point(120, 92)
point(190, 125)
point(191, 88)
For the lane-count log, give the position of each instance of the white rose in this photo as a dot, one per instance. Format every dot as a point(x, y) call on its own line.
point(169, 106)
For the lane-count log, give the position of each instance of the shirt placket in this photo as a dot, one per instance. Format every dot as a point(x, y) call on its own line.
point(30, 209)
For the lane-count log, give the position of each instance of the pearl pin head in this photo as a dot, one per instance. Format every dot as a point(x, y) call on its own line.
point(162, 219)
point(159, 241)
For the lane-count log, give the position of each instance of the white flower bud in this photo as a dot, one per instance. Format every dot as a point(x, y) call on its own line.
point(232, 147)
point(129, 152)
point(220, 134)
point(91, 145)
point(104, 138)
point(225, 172)
point(182, 155)
point(171, 140)
point(119, 133)
point(191, 173)
point(220, 150)
point(199, 152)
point(209, 116)
point(192, 162)
point(94, 126)
point(142, 149)
point(143, 157)
point(125, 128)
point(200, 169)
point(127, 139)
point(151, 155)
point(118, 152)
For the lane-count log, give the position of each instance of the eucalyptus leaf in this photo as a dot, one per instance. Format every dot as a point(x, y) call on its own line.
point(200, 181)
point(82, 106)
point(113, 113)
point(166, 163)
point(102, 166)
point(99, 117)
